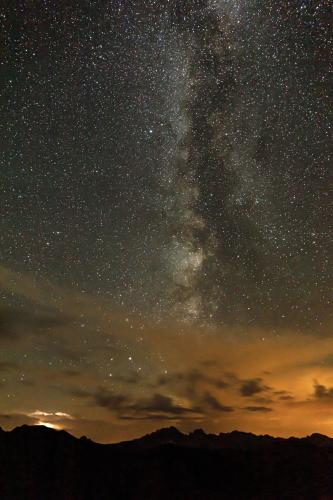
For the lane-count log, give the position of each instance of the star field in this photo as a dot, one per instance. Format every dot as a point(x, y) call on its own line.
point(166, 185)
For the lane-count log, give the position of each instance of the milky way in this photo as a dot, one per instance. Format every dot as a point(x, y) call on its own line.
point(166, 172)
point(250, 157)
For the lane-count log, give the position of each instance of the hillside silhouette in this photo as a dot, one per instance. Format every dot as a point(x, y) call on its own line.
point(38, 463)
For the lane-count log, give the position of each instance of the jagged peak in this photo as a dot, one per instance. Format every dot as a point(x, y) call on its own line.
point(198, 433)
point(318, 435)
point(167, 431)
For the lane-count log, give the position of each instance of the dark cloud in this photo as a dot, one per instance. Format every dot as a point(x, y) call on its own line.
point(102, 397)
point(252, 386)
point(159, 403)
point(258, 409)
point(110, 400)
point(131, 379)
point(169, 379)
point(209, 363)
point(192, 378)
point(16, 419)
point(248, 387)
point(281, 393)
point(284, 395)
point(61, 349)
point(265, 401)
point(321, 391)
point(16, 322)
point(152, 407)
point(209, 401)
point(8, 324)
point(147, 417)
point(80, 393)
point(157, 406)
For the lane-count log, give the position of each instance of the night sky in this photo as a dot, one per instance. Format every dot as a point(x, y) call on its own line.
point(166, 216)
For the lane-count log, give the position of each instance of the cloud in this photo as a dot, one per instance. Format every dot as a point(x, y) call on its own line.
point(55, 420)
point(258, 409)
point(212, 380)
point(191, 379)
point(211, 402)
point(80, 393)
point(12, 420)
point(16, 322)
point(58, 420)
point(284, 395)
point(210, 363)
point(264, 401)
point(157, 406)
point(103, 398)
point(133, 378)
point(159, 403)
point(110, 400)
point(252, 386)
point(197, 387)
point(160, 417)
point(280, 393)
point(321, 391)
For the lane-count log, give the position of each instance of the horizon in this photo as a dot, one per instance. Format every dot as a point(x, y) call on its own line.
point(165, 214)
point(159, 430)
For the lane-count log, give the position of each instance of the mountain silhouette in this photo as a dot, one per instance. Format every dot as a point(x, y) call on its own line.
point(39, 463)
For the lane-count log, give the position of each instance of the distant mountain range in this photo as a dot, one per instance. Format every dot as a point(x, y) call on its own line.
point(229, 440)
point(38, 463)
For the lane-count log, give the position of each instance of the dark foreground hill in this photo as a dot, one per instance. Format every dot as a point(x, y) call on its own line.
point(37, 463)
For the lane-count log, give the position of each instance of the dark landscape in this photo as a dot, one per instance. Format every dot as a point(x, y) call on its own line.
point(38, 463)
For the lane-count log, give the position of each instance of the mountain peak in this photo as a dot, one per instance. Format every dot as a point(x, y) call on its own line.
point(197, 433)
point(319, 439)
point(167, 432)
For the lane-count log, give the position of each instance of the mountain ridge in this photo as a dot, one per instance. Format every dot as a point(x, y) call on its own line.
point(172, 435)
point(39, 463)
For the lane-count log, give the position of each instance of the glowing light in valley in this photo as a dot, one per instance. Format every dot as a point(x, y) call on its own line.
point(49, 425)
point(53, 420)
